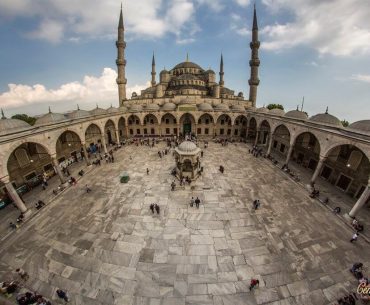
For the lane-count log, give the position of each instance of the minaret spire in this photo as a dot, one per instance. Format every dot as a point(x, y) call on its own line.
point(2, 114)
point(221, 83)
point(254, 62)
point(153, 71)
point(49, 109)
point(121, 62)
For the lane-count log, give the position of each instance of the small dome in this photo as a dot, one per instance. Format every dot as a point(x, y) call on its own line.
point(136, 108)
point(122, 109)
point(205, 107)
point(296, 114)
point(277, 111)
point(152, 107)
point(326, 118)
point(363, 125)
point(78, 114)
point(169, 107)
point(164, 71)
point(221, 107)
point(12, 125)
point(187, 146)
point(50, 118)
point(262, 109)
point(112, 109)
point(210, 72)
point(98, 111)
point(240, 94)
point(237, 108)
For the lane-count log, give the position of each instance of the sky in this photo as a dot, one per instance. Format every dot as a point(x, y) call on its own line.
point(62, 53)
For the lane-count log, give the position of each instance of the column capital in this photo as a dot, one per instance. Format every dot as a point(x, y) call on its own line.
point(323, 158)
point(5, 179)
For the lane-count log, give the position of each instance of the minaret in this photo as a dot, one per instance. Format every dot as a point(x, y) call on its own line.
point(153, 71)
point(254, 62)
point(221, 83)
point(121, 62)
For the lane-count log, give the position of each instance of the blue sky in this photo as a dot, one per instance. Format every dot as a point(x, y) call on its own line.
point(60, 53)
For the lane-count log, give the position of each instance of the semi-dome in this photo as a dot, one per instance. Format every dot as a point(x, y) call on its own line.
point(98, 111)
point(277, 111)
point(136, 108)
point(205, 107)
point(78, 114)
point(50, 118)
point(326, 118)
point(363, 125)
point(112, 109)
point(187, 64)
point(262, 109)
point(237, 108)
point(164, 71)
point(169, 107)
point(221, 107)
point(296, 114)
point(187, 146)
point(152, 107)
point(12, 125)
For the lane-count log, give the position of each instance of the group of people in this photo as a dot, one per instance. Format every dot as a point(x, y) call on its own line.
point(185, 180)
point(357, 226)
point(349, 299)
point(256, 204)
point(162, 153)
point(195, 201)
point(39, 204)
point(255, 151)
point(155, 207)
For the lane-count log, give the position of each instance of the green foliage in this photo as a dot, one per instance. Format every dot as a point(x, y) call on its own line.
point(24, 117)
point(345, 123)
point(274, 106)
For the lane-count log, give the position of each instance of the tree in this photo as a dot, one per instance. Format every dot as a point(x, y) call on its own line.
point(24, 117)
point(345, 123)
point(274, 106)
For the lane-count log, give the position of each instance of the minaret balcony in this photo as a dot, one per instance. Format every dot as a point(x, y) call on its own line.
point(121, 81)
point(255, 44)
point(254, 82)
point(255, 62)
point(121, 62)
point(120, 43)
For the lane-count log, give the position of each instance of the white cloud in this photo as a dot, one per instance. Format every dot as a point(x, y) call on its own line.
point(243, 2)
point(101, 90)
point(215, 5)
point(237, 25)
point(361, 77)
point(60, 19)
point(340, 27)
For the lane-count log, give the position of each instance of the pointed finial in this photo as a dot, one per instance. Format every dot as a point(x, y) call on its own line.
point(97, 106)
point(78, 107)
point(49, 110)
point(255, 24)
point(187, 56)
point(297, 108)
point(111, 105)
point(153, 60)
point(2, 114)
point(327, 110)
point(120, 23)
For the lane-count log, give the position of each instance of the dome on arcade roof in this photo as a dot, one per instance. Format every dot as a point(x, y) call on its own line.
point(122, 108)
point(136, 108)
point(296, 114)
point(112, 109)
point(187, 146)
point(326, 118)
point(237, 108)
point(205, 107)
point(221, 107)
point(98, 111)
point(363, 125)
point(277, 111)
point(263, 109)
point(152, 107)
point(253, 109)
point(169, 107)
point(78, 114)
point(187, 64)
point(50, 118)
point(11, 125)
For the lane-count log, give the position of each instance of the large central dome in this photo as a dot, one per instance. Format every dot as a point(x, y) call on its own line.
point(187, 64)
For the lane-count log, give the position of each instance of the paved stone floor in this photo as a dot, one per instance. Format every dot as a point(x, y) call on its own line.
point(106, 247)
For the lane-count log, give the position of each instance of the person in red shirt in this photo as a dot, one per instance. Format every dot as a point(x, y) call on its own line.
point(253, 284)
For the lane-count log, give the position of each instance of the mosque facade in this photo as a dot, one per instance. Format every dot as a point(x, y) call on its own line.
point(188, 100)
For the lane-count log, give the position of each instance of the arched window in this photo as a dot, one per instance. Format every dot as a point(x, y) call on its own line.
point(22, 157)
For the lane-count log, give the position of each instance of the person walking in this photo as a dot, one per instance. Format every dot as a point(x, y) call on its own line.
point(152, 207)
point(253, 284)
point(192, 201)
point(88, 190)
point(157, 208)
point(147, 171)
point(354, 237)
point(23, 274)
point(62, 294)
point(197, 202)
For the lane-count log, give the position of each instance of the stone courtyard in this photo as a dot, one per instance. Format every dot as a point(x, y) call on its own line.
point(106, 247)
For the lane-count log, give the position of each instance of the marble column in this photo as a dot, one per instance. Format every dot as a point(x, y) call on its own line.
point(15, 197)
point(270, 145)
point(289, 154)
point(117, 136)
point(196, 129)
point(360, 202)
point(318, 169)
point(104, 144)
point(257, 136)
point(87, 159)
point(246, 132)
point(178, 130)
point(58, 170)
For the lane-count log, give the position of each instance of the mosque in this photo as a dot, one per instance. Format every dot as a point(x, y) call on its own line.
point(188, 100)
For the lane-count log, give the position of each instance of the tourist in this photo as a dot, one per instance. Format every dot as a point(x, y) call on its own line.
point(173, 185)
point(222, 169)
point(157, 208)
point(192, 201)
point(256, 204)
point(354, 237)
point(62, 294)
point(88, 190)
point(147, 171)
point(197, 202)
point(23, 274)
point(152, 207)
point(253, 284)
